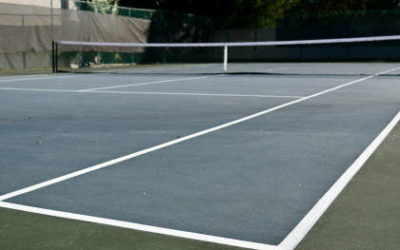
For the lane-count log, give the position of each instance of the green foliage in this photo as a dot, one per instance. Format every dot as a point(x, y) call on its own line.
point(103, 6)
point(258, 13)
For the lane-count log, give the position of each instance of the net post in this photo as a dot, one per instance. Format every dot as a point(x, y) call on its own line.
point(225, 58)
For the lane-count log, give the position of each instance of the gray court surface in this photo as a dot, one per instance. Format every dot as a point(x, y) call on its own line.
point(252, 181)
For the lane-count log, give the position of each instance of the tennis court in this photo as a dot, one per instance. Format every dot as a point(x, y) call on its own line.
point(249, 160)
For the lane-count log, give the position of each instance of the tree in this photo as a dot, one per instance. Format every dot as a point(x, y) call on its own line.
point(254, 13)
point(219, 8)
point(104, 6)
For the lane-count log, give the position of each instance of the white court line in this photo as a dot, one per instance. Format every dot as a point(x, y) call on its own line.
point(193, 94)
point(287, 244)
point(136, 226)
point(36, 78)
point(143, 83)
point(38, 90)
point(148, 93)
point(176, 141)
point(302, 228)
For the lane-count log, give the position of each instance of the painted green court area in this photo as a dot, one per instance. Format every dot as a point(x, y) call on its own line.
point(365, 216)
point(19, 230)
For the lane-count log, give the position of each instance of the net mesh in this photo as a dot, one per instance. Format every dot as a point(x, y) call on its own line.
point(344, 56)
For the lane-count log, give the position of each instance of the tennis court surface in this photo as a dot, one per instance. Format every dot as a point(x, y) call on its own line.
point(248, 160)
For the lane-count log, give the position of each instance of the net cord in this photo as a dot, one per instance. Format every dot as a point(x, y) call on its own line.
point(234, 44)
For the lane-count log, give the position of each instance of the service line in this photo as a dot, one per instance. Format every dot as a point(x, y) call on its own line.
point(148, 93)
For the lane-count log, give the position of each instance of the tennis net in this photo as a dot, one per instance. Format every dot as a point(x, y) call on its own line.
point(343, 56)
